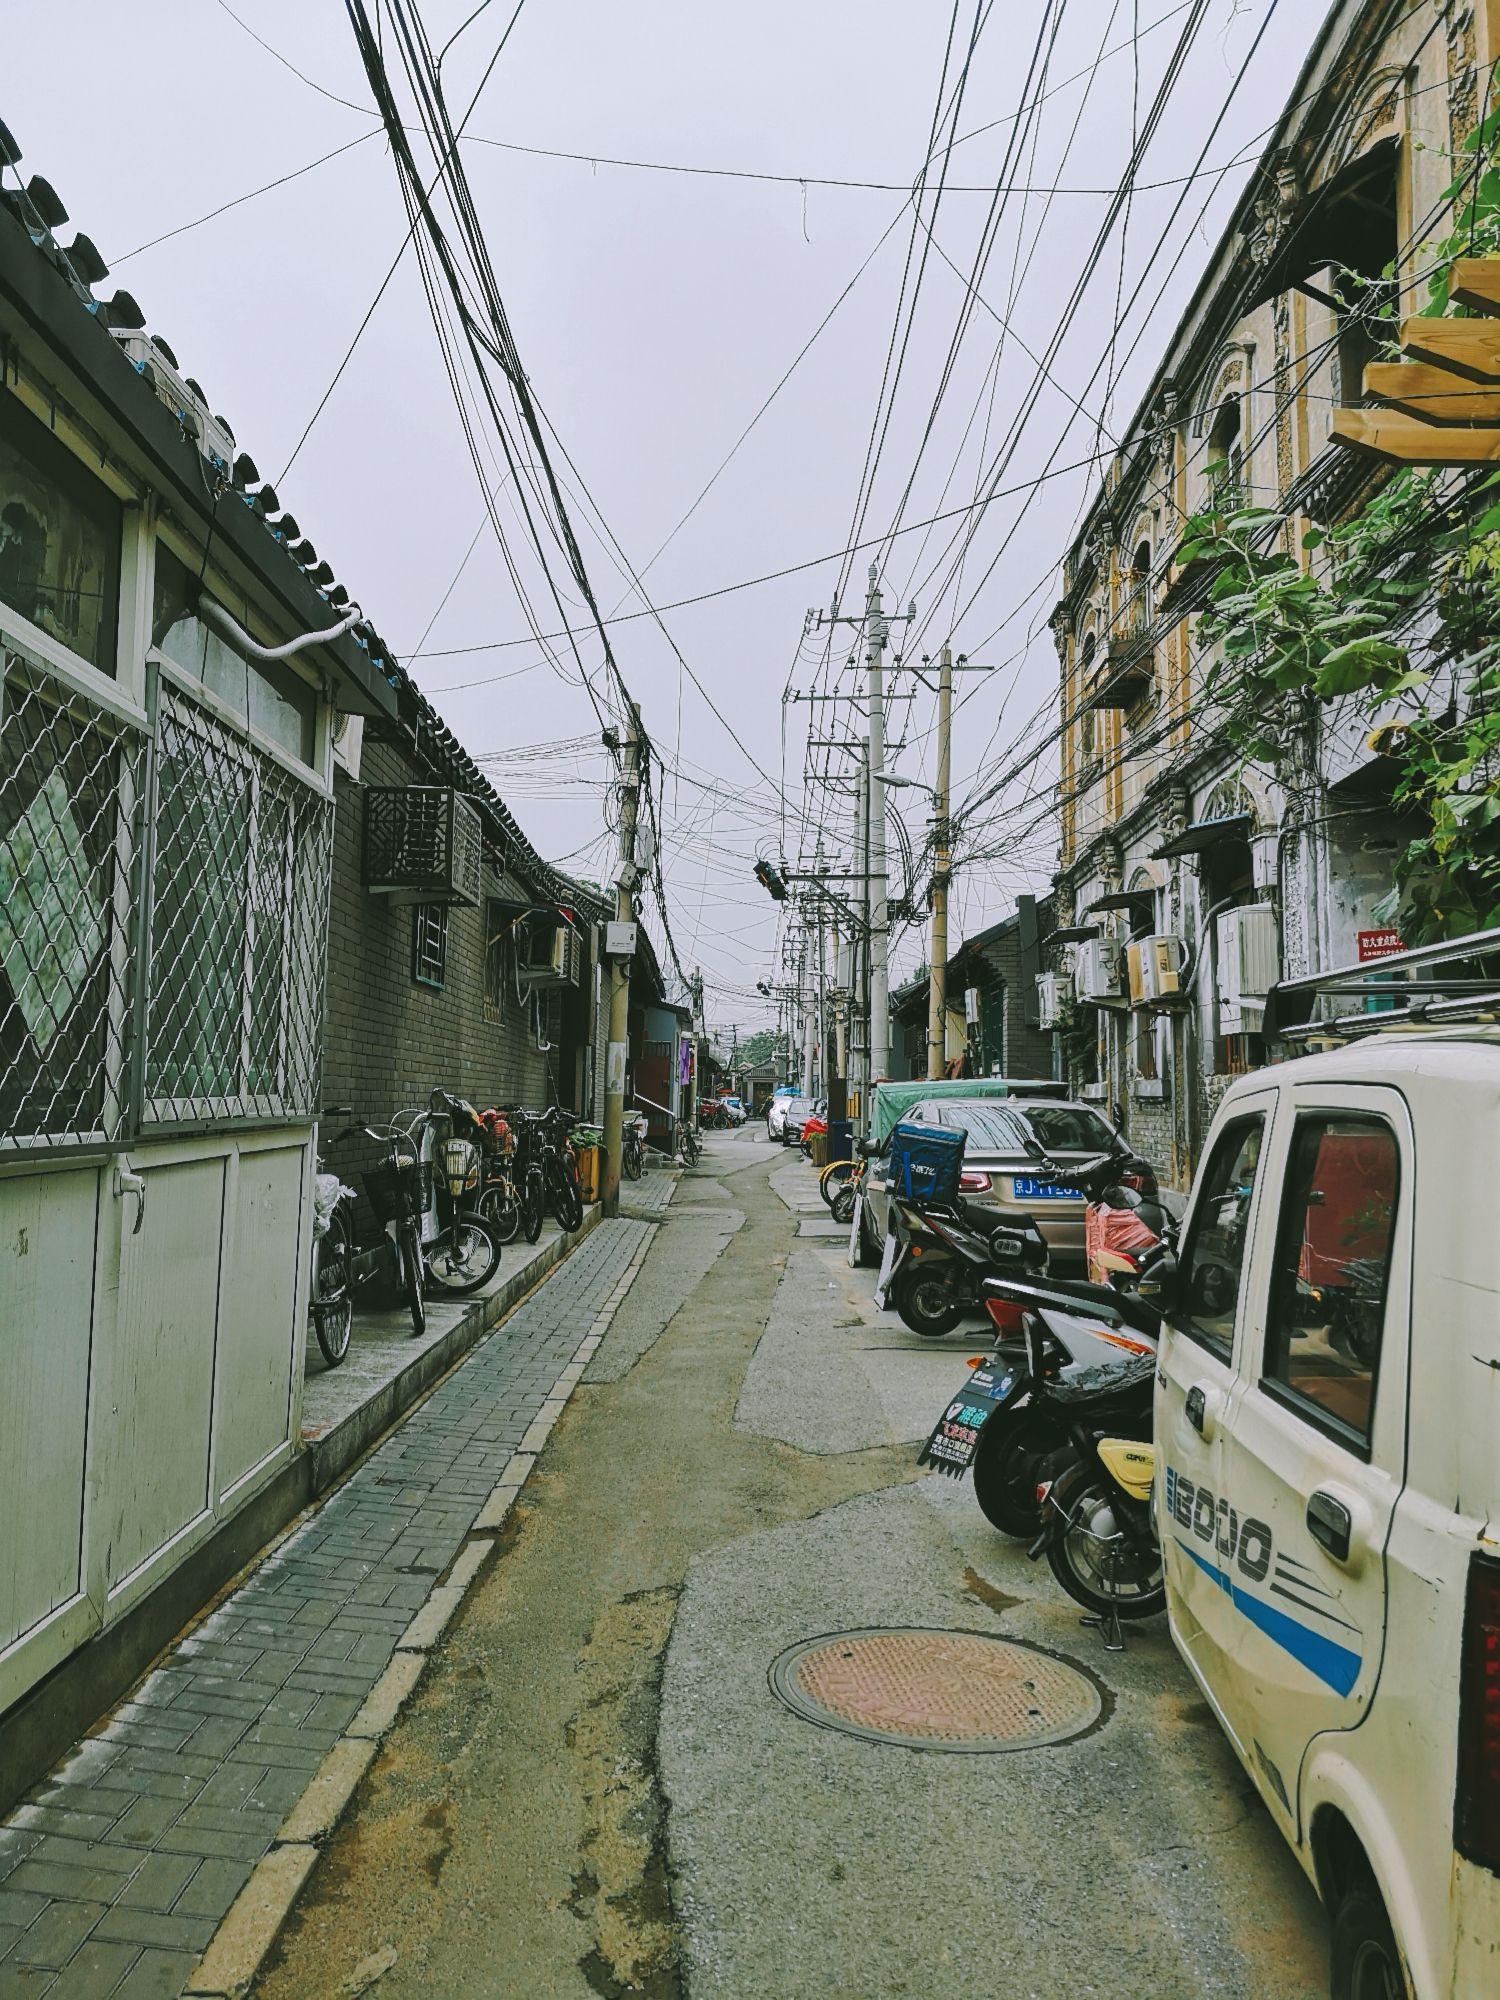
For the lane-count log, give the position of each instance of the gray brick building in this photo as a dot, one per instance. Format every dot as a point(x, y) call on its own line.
point(446, 967)
point(992, 1004)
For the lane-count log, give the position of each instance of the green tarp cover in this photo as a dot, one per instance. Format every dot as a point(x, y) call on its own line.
point(894, 1100)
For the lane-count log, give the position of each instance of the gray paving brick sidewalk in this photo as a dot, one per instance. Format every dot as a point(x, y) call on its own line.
point(116, 1872)
point(650, 1194)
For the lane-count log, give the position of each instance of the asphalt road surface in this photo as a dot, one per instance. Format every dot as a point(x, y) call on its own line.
point(597, 1792)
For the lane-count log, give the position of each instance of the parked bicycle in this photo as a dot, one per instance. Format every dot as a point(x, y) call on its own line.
point(499, 1199)
point(633, 1149)
point(560, 1167)
point(689, 1146)
point(446, 1246)
point(332, 1290)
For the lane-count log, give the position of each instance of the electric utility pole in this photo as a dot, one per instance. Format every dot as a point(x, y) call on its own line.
point(877, 633)
point(619, 963)
point(937, 978)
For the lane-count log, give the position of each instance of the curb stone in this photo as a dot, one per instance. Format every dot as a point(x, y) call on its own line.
point(229, 1966)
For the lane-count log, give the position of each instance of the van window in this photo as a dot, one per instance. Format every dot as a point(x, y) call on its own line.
point(1333, 1254)
point(1213, 1257)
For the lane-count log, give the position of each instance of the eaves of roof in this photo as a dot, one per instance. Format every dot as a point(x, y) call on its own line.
point(125, 409)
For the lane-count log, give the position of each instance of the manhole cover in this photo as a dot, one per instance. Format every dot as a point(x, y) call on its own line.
point(938, 1690)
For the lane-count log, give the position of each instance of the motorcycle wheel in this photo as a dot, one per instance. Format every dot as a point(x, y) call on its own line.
point(498, 1207)
point(533, 1208)
point(1011, 1447)
point(1097, 1563)
point(410, 1252)
point(925, 1299)
point(459, 1268)
point(842, 1205)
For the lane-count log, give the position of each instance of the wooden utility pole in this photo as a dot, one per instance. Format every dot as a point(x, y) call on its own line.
point(937, 976)
point(619, 965)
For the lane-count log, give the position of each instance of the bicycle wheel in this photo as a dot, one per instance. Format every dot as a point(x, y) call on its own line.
point(411, 1277)
point(501, 1211)
point(835, 1175)
point(567, 1203)
point(691, 1150)
point(333, 1290)
point(533, 1206)
point(631, 1158)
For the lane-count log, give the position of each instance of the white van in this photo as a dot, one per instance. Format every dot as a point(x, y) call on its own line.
point(1328, 1498)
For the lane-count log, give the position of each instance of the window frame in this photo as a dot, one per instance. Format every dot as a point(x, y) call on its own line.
point(1358, 1445)
point(78, 485)
point(422, 915)
point(1182, 1321)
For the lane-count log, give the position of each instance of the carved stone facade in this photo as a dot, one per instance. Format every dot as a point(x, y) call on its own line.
point(1238, 413)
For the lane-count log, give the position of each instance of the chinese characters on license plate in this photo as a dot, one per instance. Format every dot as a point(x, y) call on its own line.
point(1026, 1187)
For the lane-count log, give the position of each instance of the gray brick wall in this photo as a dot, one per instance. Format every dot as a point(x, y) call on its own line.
point(389, 1039)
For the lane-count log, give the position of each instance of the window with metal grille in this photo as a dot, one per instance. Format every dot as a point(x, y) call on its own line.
point(429, 943)
point(70, 775)
point(496, 936)
point(239, 916)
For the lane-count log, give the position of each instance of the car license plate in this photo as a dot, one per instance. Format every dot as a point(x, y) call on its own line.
point(1026, 1187)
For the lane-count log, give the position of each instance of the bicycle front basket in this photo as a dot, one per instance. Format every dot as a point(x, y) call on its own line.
point(401, 1193)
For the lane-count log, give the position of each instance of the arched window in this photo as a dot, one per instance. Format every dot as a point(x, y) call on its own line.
point(1226, 455)
point(1086, 652)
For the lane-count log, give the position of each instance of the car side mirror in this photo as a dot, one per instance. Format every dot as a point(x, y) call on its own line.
point(1160, 1283)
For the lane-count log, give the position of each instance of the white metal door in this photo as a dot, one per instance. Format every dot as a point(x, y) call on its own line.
point(47, 1228)
point(1195, 1388)
point(156, 1425)
point(1315, 1454)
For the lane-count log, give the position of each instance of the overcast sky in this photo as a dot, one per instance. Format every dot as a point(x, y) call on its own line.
point(655, 311)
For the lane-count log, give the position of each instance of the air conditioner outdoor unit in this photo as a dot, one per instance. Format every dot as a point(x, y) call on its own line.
point(1051, 989)
point(148, 358)
point(1249, 966)
point(1098, 971)
point(550, 958)
point(1155, 967)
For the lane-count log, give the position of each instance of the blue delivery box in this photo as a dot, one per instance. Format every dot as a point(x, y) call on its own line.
point(926, 1161)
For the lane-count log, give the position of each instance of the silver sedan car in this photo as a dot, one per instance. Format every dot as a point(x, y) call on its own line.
point(1001, 1171)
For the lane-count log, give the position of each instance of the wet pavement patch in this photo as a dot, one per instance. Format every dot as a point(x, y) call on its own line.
point(928, 1690)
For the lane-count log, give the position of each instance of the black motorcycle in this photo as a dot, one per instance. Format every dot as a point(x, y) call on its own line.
point(947, 1253)
point(1070, 1359)
point(948, 1250)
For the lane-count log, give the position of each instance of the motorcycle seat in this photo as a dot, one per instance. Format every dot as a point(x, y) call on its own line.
point(1069, 1294)
point(1132, 1310)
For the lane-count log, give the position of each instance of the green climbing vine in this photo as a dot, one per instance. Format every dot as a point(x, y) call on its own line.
point(1291, 634)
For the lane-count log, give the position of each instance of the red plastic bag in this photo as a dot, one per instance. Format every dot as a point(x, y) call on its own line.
point(1116, 1229)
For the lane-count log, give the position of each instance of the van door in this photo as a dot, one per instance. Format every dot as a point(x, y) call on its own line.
point(1195, 1386)
point(1316, 1454)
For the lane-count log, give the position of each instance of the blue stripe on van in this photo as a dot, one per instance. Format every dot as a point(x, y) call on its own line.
point(1333, 1664)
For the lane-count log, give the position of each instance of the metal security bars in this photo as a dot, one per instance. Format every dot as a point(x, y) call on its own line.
point(71, 774)
point(239, 884)
point(163, 918)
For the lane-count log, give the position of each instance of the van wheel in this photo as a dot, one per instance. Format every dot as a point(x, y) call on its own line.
point(1365, 1963)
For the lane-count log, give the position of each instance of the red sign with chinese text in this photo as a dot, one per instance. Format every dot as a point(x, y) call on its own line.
point(1377, 944)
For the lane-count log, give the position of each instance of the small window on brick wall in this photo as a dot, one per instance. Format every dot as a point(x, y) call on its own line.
point(429, 943)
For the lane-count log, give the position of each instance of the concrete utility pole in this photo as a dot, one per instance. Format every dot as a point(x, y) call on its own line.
point(937, 980)
point(619, 968)
point(805, 984)
point(877, 633)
